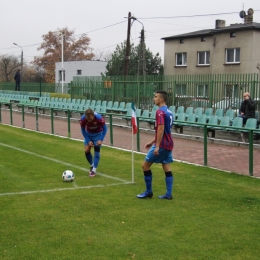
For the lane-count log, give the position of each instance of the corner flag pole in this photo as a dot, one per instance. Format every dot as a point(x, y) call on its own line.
point(134, 131)
point(133, 174)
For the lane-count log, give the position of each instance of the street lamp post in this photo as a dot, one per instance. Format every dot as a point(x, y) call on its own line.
point(62, 60)
point(21, 59)
point(142, 49)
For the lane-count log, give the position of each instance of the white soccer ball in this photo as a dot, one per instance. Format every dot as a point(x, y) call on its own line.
point(68, 175)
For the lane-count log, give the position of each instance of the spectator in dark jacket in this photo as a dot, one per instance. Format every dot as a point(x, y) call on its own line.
point(17, 78)
point(247, 108)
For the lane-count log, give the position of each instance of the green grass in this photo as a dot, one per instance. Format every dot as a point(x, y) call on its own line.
point(214, 215)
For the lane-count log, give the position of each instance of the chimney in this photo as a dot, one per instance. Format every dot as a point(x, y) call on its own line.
point(249, 17)
point(220, 24)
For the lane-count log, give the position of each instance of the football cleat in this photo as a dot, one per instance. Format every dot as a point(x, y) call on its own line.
point(167, 197)
point(145, 195)
point(92, 174)
point(90, 169)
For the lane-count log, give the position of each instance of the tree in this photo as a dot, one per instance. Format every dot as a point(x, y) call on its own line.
point(8, 66)
point(116, 64)
point(74, 50)
point(103, 55)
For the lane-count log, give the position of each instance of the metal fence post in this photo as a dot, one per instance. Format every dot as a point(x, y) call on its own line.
point(23, 116)
point(251, 153)
point(11, 114)
point(138, 135)
point(205, 145)
point(37, 122)
point(111, 129)
point(69, 134)
point(52, 122)
point(0, 112)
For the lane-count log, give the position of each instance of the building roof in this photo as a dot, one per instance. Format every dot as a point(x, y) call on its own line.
point(206, 32)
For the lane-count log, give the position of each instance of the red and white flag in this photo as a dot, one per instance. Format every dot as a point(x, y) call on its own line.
point(134, 121)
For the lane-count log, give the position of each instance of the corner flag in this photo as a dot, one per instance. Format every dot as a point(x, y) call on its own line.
point(134, 121)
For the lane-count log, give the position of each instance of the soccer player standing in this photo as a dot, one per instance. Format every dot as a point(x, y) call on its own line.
point(161, 147)
point(93, 129)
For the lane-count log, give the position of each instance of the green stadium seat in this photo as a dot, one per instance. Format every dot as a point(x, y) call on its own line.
point(180, 109)
point(97, 108)
point(208, 112)
point(144, 115)
point(224, 122)
point(109, 105)
point(127, 106)
point(93, 103)
point(230, 113)
point(219, 113)
point(104, 103)
point(202, 120)
point(98, 103)
point(213, 122)
point(179, 121)
point(172, 109)
point(190, 119)
point(114, 107)
point(120, 108)
point(198, 112)
point(103, 110)
point(189, 110)
point(237, 124)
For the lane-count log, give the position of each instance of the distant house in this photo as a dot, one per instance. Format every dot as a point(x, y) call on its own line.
point(225, 49)
point(78, 68)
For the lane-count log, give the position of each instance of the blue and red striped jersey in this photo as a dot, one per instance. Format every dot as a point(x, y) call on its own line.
point(96, 126)
point(164, 117)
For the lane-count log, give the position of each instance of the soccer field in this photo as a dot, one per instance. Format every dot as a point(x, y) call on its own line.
point(213, 214)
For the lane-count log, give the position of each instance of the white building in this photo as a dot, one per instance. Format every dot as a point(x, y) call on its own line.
point(78, 68)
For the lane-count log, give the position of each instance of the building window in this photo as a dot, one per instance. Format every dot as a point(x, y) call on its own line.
point(181, 41)
point(60, 78)
point(232, 35)
point(203, 58)
point(233, 55)
point(203, 39)
point(181, 59)
point(180, 90)
point(78, 72)
point(231, 91)
point(202, 90)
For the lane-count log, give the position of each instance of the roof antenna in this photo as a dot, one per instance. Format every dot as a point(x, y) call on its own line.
point(242, 13)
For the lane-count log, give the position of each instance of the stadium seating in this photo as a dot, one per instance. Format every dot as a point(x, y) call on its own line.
point(144, 115)
point(180, 109)
point(198, 112)
point(179, 121)
point(120, 108)
point(127, 106)
point(208, 112)
point(213, 122)
point(109, 105)
point(189, 110)
point(172, 109)
point(237, 123)
point(202, 120)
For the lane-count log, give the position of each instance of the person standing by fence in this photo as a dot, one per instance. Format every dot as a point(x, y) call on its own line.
point(17, 78)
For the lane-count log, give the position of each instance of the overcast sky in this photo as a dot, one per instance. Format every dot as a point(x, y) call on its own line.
point(25, 21)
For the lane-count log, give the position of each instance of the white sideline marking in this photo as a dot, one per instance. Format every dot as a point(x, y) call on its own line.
point(61, 189)
point(61, 162)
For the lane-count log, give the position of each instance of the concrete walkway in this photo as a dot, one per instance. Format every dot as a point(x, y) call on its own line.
point(233, 158)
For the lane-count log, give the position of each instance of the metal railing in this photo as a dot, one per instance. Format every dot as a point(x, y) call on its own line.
point(111, 115)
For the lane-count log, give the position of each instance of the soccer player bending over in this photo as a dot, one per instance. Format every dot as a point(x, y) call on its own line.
point(161, 147)
point(93, 129)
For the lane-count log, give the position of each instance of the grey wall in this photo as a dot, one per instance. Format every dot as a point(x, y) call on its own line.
point(88, 68)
